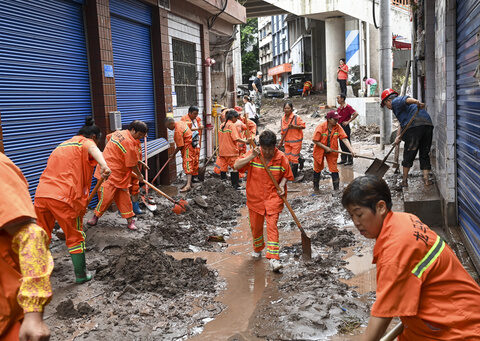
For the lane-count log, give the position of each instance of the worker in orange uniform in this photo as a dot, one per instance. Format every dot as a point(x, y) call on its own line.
point(292, 126)
point(325, 140)
point(241, 128)
point(25, 261)
point(228, 151)
point(307, 87)
point(121, 154)
point(134, 187)
point(263, 200)
point(419, 278)
point(195, 124)
point(183, 140)
point(63, 191)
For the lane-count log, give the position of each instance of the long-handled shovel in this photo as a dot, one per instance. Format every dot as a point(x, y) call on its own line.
point(201, 171)
point(392, 334)
point(161, 169)
point(150, 205)
point(306, 242)
point(94, 191)
point(379, 167)
point(181, 206)
point(364, 157)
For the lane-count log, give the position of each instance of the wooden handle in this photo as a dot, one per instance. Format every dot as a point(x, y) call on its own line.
point(159, 191)
point(392, 334)
point(275, 183)
point(285, 135)
point(362, 156)
point(211, 157)
point(401, 134)
point(161, 169)
point(143, 163)
point(94, 191)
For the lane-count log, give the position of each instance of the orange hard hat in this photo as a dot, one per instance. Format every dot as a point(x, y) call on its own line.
point(385, 94)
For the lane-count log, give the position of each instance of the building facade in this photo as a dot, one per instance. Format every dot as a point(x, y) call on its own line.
point(265, 46)
point(281, 67)
point(65, 60)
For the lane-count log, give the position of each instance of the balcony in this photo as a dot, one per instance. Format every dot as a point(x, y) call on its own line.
point(234, 12)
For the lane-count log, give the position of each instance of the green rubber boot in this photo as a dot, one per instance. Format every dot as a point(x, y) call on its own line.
point(79, 266)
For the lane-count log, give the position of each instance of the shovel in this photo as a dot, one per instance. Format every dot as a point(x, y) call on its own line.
point(306, 242)
point(392, 334)
point(181, 206)
point(201, 171)
point(285, 135)
point(151, 206)
point(94, 191)
point(379, 167)
point(365, 157)
point(161, 169)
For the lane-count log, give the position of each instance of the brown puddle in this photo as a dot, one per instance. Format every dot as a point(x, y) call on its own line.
point(246, 280)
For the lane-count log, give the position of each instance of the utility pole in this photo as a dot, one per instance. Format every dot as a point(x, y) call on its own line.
point(385, 69)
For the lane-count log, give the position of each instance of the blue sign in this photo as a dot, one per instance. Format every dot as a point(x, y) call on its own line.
point(108, 70)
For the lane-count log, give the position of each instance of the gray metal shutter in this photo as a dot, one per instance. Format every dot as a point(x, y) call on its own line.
point(131, 21)
point(44, 80)
point(468, 124)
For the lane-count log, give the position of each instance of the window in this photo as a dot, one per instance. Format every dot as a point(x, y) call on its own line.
point(184, 72)
point(164, 4)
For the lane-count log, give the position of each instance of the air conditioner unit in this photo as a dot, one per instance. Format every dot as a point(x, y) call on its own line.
point(115, 120)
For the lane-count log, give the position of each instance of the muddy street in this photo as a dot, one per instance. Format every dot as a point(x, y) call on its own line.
point(192, 276)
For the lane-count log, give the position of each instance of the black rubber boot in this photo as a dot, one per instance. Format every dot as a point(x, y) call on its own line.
point(295, 170)
point(301, 162)
point(343, 159)
point(235, 177)
point(316, 181)
point(335, 181)
point(223, 175)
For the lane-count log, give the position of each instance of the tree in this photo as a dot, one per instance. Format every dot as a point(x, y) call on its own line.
point(249, 48)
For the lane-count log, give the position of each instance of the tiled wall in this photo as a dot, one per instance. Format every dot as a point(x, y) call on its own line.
point(443, 112)
point(186, 30)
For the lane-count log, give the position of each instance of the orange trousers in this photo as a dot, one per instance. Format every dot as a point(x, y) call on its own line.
point(256, 224)
point(195, 161)
point(318, 165)
point(134, 188)
point(188, 156)
point(292, 151)
point(12, 333)
point(121, 196)
point(50, 210)
point(223, 162)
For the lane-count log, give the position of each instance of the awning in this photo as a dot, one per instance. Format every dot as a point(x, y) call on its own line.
point(282, 68)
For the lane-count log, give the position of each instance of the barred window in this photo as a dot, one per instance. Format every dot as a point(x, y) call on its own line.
point(184, 72)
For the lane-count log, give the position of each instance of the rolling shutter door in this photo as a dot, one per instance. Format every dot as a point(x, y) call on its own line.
point(131, 21)
point(468, 124)
point(44, 80)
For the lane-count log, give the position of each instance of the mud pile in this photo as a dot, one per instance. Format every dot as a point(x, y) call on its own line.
point(364, 133)
point(145, 268)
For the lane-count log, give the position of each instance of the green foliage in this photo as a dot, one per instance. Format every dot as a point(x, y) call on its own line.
point(249, 47)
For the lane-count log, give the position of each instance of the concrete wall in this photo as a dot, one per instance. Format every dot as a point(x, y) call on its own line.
point(368, 109)
point(374, 36)
point(400, 22)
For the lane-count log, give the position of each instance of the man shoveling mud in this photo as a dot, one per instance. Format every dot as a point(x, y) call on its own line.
point(263, 200)
point(419, 278)
point(183, 140)
point(195, 124)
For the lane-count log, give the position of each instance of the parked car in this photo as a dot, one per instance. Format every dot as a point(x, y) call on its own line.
point(295, 83)
point(272, 90)
point(242, 90)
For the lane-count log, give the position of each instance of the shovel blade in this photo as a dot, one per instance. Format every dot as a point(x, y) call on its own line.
point(177, 209)
point(306, 247)
point(377, 168)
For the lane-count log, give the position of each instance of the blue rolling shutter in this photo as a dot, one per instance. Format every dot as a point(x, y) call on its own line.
point(468, 124)
point(130, 21)
point(44, 80)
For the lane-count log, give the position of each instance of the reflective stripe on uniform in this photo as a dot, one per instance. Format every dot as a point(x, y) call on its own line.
point(429, 258)
point(293, 141)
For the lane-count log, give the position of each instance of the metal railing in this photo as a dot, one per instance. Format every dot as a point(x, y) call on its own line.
point(405, 4)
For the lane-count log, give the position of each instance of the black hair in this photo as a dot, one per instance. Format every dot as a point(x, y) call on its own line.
point(342, 95)
point(367, 191)
point(343, 60)
point(268, 139)
point(365, 78)
point(289, 103)
point(231, 113)
point(193, 108)
point(90, 129)
point(247, 98)
point(138, 125)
